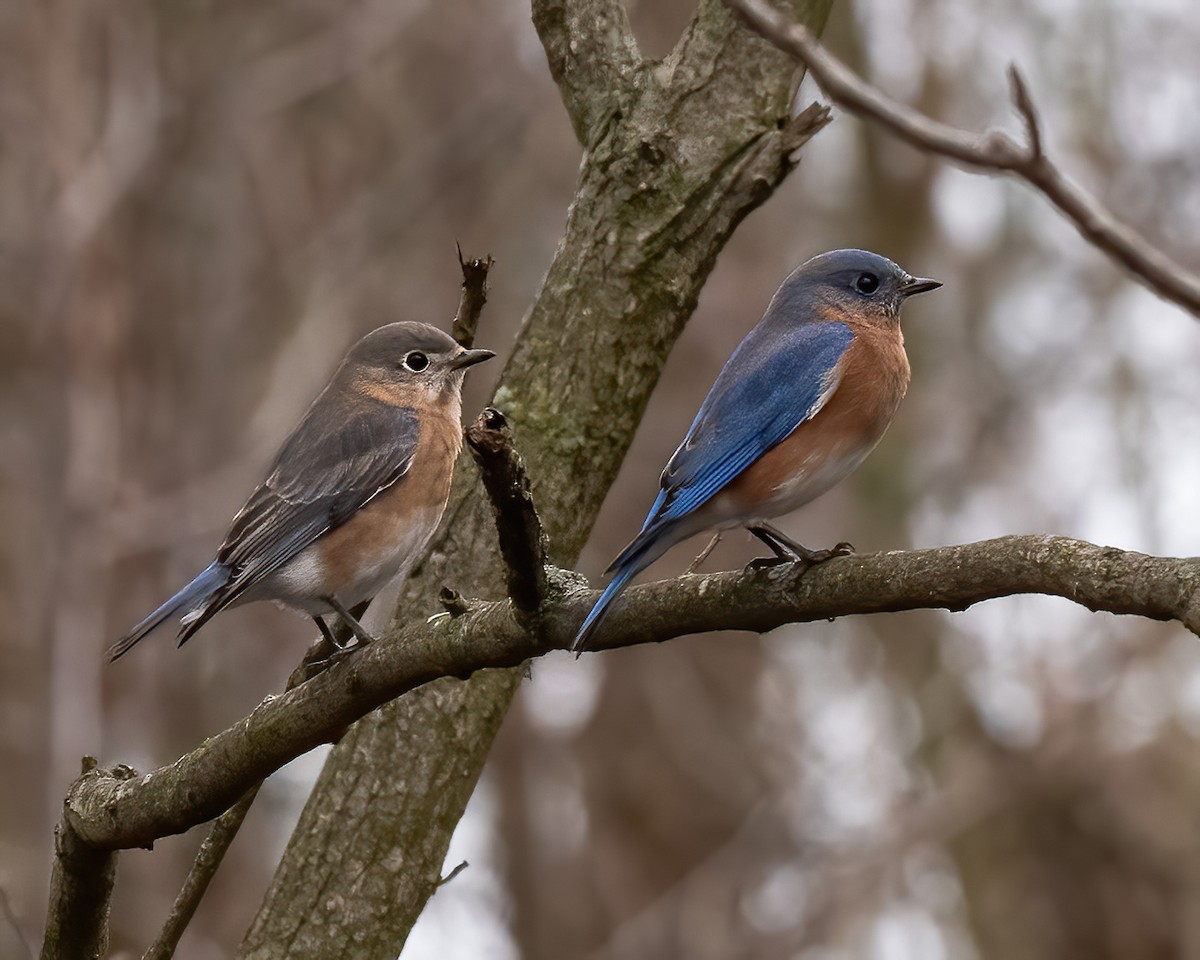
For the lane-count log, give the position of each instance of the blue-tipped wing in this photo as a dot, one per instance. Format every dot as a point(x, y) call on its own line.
point(776, 379)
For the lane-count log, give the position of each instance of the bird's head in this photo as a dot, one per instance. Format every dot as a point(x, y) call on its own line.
point(404, 357)
point(854, 283)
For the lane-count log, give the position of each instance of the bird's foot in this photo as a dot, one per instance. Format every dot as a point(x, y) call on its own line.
point(788, 551)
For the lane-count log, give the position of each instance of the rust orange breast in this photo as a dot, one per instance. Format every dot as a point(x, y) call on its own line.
point(385, 535)
point(825, 449)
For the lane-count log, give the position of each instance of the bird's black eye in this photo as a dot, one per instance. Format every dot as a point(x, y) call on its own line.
point(866, 283)
point(415, 361)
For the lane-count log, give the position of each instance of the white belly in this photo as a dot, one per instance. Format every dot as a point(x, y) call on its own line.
point(817, 475)
point(302, 582)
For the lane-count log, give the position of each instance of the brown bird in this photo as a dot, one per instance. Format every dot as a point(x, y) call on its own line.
point(352, 497)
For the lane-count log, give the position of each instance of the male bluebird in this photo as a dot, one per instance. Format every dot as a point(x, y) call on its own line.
point(797, 407)
point(354, 494)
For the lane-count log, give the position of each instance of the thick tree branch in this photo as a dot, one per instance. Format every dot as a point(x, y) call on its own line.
point(80, 889)
point(110, 811)
point(994, 151)
point(520, 531)
point(593, 58)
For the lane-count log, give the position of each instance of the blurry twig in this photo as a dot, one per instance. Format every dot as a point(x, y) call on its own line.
point(994, 151)
point(10, 922)
point(452, 874)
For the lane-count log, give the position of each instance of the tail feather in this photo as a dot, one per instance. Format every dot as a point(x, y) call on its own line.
point(186, 600)
point(645, 548)
point(598, 611)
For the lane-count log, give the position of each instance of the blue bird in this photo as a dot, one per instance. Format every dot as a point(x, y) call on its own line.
point(798, 406)
point(353, 496)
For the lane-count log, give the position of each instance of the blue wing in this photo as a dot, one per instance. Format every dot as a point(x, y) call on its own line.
point(775, 380)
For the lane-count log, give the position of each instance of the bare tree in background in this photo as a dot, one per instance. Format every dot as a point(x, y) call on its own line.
point(661, 827)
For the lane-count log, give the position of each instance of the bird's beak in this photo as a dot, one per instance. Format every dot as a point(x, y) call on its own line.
point(468, 358)
point(912, 285)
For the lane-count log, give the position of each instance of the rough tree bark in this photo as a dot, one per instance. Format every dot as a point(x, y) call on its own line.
point(676, 153)
point(81, 884)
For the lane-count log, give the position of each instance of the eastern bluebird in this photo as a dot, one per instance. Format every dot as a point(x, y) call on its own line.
point(797, 407)
point(354, 494)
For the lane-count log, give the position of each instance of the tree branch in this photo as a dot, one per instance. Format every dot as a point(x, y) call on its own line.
point(593, 58)
point(994, 151)
point(474, 296)
point(204, 867)
point(11, 937)
point(113, 811)
point(517, 524)
point(80, 888)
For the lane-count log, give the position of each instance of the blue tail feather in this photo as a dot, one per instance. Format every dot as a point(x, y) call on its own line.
point(592, 621)
point(645, 548)
point(214, 576)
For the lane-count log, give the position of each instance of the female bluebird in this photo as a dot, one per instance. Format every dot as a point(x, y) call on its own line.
point(354, 494)
point(802, 401)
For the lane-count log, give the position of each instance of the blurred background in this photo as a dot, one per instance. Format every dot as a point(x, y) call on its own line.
point(205, 203)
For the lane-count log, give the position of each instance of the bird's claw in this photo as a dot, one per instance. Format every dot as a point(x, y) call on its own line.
point(839, 549)
point(803, 556)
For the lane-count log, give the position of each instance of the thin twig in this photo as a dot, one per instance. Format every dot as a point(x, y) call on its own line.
point(520, 531)
point(452, 874)
point(703, 554)
point(1023, 101)
point(995, 151)
point(474, 296)
point(204, 868)
point(10, 921)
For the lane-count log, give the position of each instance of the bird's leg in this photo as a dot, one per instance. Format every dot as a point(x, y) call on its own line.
point(787, 550)
point(350, 620)
point(329, 635)
point(338, 637)
point(703, 554)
